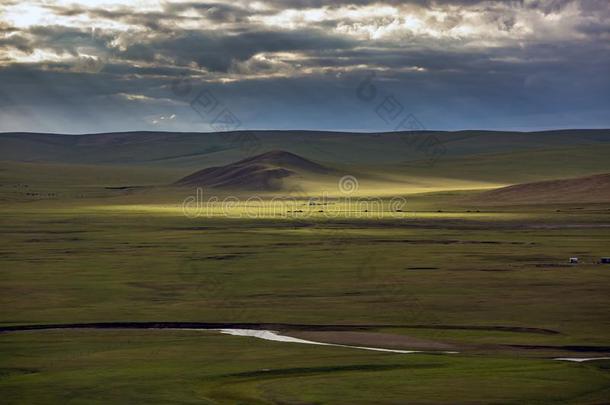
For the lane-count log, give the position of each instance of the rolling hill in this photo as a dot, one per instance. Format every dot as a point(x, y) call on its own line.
point(193, 150)
point(384, 163)
point(261, 172)
point(588, 189)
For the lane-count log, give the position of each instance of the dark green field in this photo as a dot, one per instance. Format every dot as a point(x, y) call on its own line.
point(493, 282)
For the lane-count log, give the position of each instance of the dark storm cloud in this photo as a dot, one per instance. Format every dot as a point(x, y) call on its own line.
point(303, 4)
point(150, 20)
point(547, 6)
point(17, 42)
point(297, 63)
point(63, 39)
point(217, 52)
point(599, 30)
point(6, 28)
point(59, 39)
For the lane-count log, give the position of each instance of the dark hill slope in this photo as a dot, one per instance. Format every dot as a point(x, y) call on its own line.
point(589, 189)
point(261, 172)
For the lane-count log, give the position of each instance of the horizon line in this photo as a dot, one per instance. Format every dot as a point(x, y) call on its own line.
point(303, 130)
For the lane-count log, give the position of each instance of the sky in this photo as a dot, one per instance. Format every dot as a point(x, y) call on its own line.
point(347, 65)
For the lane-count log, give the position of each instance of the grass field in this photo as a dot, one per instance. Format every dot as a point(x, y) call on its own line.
point(200, 367)
point(71, 266)
point(443, 270)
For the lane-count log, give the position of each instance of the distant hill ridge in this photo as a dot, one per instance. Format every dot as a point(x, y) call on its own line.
point(200, 149)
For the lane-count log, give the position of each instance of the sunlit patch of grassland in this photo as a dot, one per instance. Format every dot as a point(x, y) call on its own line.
point(266, 209)
point(386, 185)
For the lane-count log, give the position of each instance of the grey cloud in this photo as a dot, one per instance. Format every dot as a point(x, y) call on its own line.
point(304, 4)
point(598, 30)
point(6, 28)
point(548, 6)
point(17, 42)
point(63, 39)
point(217, 52)
point(219, 12)
point(536, 82)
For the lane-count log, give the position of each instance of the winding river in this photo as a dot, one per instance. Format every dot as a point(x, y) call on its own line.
point(258, 331)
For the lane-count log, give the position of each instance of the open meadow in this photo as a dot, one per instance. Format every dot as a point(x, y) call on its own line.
point(136, 277)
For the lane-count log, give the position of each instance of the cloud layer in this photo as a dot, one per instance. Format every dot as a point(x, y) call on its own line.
point(92, 66)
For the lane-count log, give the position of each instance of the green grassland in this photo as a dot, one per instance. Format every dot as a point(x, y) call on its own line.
point(87, 267)
point(194, 367)
point(74, 250)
